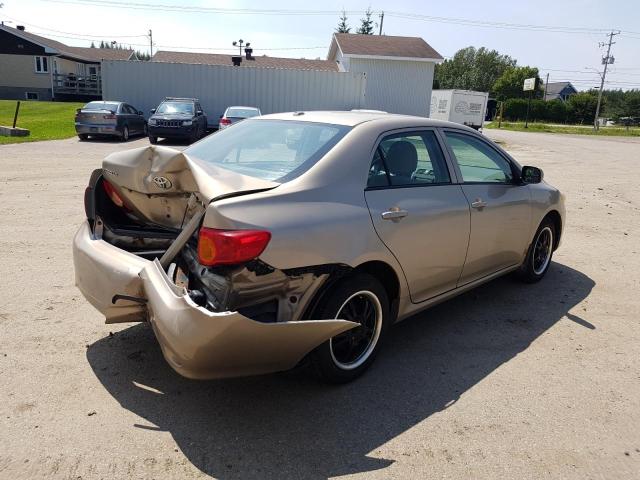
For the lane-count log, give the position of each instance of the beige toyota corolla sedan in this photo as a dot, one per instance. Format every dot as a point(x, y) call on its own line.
point(305, 236)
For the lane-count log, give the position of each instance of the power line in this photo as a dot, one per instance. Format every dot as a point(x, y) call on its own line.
point(69, 33)
point(403, 15)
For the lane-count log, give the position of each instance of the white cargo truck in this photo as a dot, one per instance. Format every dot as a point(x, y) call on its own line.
point(460, 106)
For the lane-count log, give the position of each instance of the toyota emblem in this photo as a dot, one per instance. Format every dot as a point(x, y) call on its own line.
point(162, 182)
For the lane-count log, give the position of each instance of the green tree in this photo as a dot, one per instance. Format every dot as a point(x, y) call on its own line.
point(510, 83)
point(101, 43)
point(93, 45)
point(582, 107)
point(343, 26)
point(366, 24)
point(472, 69)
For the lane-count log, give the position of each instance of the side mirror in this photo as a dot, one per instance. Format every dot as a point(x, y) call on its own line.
point(140, 112)
point(531, 175)
point(199, 112)
point(153, 110)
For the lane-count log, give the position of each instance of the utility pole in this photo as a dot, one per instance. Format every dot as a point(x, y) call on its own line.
point(150, 43)
point(381, 22)
point(546, 82)
point(606, 61)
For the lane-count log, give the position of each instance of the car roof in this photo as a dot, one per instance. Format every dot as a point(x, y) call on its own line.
point(241, 106)
point(353, 118)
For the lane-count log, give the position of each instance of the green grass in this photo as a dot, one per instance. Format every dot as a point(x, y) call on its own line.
point(45, 120)
point(572, 129)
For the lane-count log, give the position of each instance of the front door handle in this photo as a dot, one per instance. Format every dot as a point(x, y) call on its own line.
point(478, 203)
point(395, 214)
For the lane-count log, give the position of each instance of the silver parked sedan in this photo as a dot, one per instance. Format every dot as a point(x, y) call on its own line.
point(109, 119)
point(306, 236)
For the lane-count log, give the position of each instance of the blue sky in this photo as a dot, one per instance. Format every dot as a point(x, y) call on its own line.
point(563, 55)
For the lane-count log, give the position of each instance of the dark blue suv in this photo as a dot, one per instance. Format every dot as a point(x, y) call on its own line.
point(177, 118)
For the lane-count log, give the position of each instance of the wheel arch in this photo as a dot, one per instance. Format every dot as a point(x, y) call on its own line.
point(556, 219)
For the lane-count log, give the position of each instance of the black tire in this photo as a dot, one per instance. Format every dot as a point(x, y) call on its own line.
point(145, 130)
point(153, 140)
point(195, 136)
point(332, 360)
point(540, 253)
point(125, 134)
point(83, 137)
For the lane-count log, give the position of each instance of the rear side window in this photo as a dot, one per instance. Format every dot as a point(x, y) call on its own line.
point(408, 159)
point(478, 162)
point(242, 112)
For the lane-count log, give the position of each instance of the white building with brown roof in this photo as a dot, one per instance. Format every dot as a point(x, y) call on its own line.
point(399, 70)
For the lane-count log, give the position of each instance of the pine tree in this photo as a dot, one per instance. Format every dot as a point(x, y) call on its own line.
point(101, 43)
point(343, 26)
point(93, 45)
point(366, 25)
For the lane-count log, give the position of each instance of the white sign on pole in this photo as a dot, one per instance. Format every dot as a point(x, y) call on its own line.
point(529, 84)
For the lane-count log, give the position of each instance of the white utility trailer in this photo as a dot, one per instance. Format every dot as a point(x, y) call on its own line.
point(459, 106)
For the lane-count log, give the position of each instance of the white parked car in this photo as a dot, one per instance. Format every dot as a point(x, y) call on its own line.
point(237, 114)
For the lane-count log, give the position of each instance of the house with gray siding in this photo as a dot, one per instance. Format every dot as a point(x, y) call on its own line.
point(33, 67)
point(399, 70)
point(559, 91)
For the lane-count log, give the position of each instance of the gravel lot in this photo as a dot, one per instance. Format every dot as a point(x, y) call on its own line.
point(507, 381)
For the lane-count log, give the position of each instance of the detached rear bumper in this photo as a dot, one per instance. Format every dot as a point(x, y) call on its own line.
point(196, 342)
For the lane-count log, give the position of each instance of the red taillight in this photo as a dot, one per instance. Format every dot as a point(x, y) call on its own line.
point(226, 247)
point(225, 121)
point(109, 117)
point(112, 194)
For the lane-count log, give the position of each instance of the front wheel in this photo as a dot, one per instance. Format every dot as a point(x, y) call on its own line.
point(83, 136)
point(362, 299)
point(153, 140)
point(125, 134)
point(540, 252)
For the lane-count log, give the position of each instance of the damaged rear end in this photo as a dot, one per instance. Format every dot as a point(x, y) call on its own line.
point(217, 310)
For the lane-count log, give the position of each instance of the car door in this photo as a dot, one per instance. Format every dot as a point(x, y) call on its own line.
point(418, 212)
point(133, 119)
point(500, 205)
point(137, 118)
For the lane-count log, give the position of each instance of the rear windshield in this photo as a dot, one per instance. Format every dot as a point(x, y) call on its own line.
point(242, 112)
point(113, 106)
point(175, 107)
point(273, 150)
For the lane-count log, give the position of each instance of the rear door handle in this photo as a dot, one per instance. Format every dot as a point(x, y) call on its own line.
point(394, 214)
point(478, 203)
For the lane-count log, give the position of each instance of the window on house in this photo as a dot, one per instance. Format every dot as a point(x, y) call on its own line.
point(31, 95)
point(42, 64)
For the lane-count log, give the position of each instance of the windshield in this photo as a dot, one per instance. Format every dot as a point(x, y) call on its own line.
point(176, 107)
point(113, 106)
point(242, 112)
point(273, 150)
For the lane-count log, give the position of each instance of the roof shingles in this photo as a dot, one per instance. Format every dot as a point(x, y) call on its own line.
point(257, 61)
point(385, 46)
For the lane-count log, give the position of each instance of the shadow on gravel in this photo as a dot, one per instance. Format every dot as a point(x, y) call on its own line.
point(288, 425)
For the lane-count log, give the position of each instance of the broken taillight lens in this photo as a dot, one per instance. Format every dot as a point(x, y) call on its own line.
point(228, 247)
point(112, 194)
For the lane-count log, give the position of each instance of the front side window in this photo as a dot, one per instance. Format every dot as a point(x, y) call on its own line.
point(42, 64)
point(408, 159)
point(478, 162)
point(273, 150)
point(175, 108)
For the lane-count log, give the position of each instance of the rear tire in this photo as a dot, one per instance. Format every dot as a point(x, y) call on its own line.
point(153, 140)
point(125, 134)
point(346, 356)
point(83, 137)
point(540, 253)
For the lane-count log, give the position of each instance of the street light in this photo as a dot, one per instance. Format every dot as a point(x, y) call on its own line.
point(239, 44)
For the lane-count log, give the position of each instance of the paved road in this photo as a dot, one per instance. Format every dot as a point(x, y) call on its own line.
point(507, 381)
